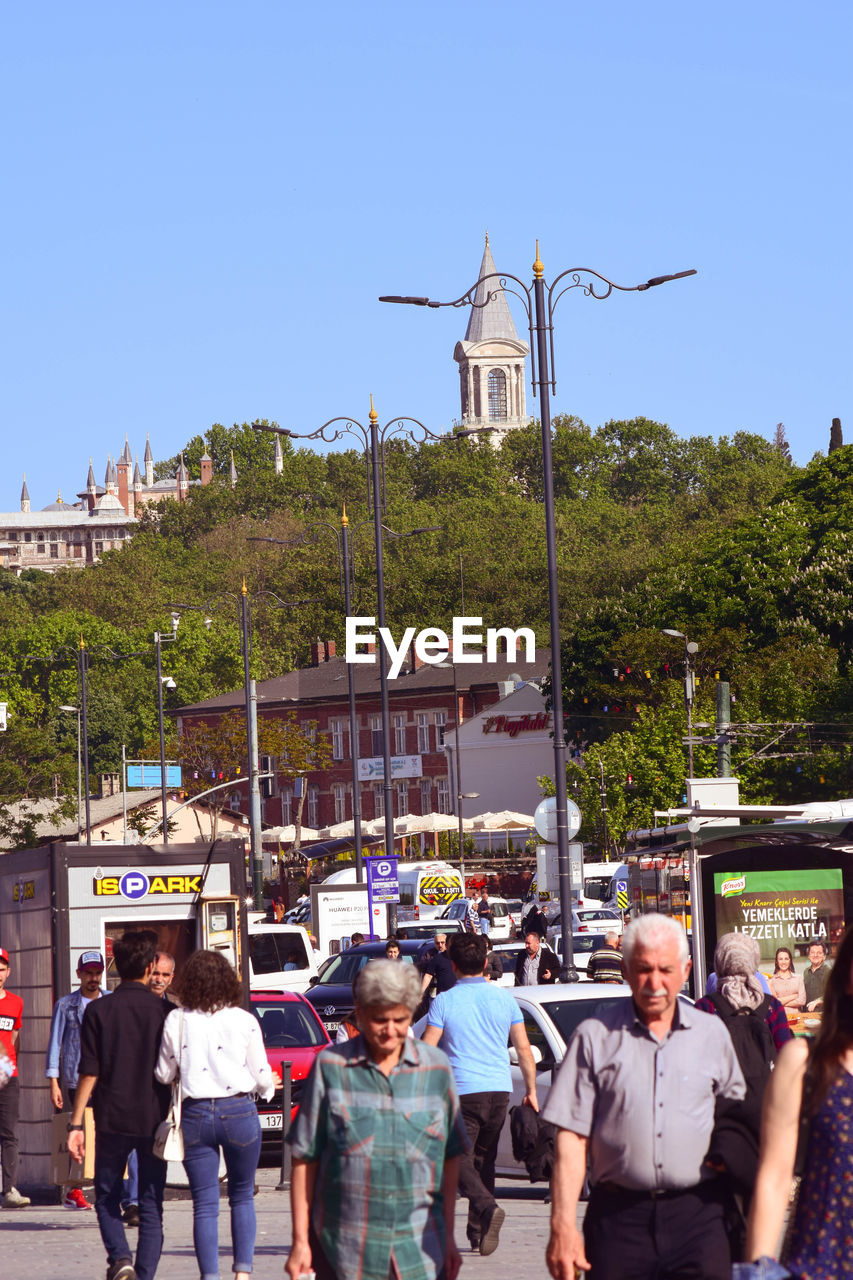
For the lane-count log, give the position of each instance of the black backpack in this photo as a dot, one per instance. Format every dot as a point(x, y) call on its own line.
point(737, 1125)
point(752, 1039)
point(532, 1142)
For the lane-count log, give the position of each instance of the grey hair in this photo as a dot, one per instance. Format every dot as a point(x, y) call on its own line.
point(381, 984)
point(651, 930)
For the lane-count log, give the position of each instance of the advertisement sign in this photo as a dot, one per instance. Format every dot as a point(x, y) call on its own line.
point(338, 911)
point(371, 769)
point(796, 917)
point(382, 879)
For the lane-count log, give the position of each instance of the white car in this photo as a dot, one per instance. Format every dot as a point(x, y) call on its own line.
point(500, 930)
point(551, 1014)
point(516, 910)
point(583, 945)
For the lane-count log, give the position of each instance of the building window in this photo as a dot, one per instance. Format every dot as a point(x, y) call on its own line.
point(337, 729)
point(443, 789)
point(54, 536)
point(378, 800)
point(286, 805)
point(376, 736)
point(28, 537)
point(312, 805)
point(440, 726)
point(423, 732)
point(13, 535)
point(54, 551)
point(400, 735)
point(99, 547)
point(40, 548)
point(339, 793)
point(426, 795)
point(497, 395)
point(402, 798)
point(267, 786)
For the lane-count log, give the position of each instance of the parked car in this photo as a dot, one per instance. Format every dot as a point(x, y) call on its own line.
point(427, 929)
point(516, 909)
point(292, 1033)
point(508, 953)
point(583, 945)
point(551, 1014)
point(331, 995)
point(501, 926)
point(281, 957)
point(587, 920)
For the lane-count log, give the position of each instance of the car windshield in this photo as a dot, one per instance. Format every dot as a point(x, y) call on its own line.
point(344, 967)
point(287, 1024)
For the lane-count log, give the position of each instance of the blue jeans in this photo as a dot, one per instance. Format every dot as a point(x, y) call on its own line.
point(111, 1153)
point(485, 926)
point(208, 1124)
point(130, 1186)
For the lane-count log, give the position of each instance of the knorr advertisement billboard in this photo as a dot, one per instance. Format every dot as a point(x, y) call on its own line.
point(796, 917)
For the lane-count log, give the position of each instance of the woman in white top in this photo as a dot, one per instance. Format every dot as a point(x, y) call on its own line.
point(219, 1050)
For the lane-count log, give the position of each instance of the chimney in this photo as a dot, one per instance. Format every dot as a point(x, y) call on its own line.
point(318, 652)
point(331, 647)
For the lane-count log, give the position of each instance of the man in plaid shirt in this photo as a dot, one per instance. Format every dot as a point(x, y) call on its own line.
point(376, 1146)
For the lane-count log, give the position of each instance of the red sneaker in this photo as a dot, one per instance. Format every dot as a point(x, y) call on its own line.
point(76, 1200)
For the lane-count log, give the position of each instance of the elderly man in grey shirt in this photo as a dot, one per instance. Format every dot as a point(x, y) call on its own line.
point(635, 1096)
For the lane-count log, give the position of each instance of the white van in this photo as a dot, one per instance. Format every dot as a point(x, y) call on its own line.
point(281, 957)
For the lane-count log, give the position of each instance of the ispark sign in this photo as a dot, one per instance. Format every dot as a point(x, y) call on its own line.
point(432, 645)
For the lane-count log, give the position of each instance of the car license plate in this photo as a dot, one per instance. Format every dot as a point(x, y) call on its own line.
point(272, 1120)
point(331, 1027)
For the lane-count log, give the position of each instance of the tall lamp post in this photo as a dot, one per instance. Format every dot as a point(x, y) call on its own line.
point(344, 543)
point(691, 648)
point(540, 318)
point(253, 761)
point(159, 640)
point(76, 710)
point(373, 438)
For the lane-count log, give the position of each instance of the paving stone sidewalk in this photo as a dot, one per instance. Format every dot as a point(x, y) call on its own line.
point(47, 1242)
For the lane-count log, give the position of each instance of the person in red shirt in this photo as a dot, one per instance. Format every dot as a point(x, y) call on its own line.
point(11, 1008)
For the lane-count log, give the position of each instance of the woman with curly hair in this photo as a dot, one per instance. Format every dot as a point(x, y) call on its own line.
point(786, 984)
point(218, 1048)
point(820, 1087)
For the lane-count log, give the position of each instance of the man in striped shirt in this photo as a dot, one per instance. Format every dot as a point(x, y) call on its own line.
point(605, 964)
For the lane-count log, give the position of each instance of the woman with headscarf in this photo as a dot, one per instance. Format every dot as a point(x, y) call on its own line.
point(736, 961)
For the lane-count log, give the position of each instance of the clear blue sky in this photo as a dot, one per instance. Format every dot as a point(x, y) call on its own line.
point(202, 202)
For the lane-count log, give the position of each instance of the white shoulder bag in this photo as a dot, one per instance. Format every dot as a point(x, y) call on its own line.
point(168, 1139)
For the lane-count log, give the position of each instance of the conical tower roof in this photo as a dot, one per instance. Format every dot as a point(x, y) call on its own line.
point(182, 472)
point(148, 456)
point(90, 478)
point(137, 476)
point(492, 318)
point(126, 458)
point(25, 493)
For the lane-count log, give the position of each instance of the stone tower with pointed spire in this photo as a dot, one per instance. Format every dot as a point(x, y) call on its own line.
point(492, 360)
point(25, 496)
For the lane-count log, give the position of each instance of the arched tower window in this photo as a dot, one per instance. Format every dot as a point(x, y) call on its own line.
point(497, 395)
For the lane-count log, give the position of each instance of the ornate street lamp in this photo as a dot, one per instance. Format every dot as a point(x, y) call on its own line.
point(540, 318)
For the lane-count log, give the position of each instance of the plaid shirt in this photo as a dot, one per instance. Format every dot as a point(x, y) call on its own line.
point(381, 1143)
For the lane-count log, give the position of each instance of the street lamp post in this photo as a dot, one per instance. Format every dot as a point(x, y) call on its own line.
point(540, 318)
point(343, 541)
point(691, 648)
point(76, 710)
point(373, 438)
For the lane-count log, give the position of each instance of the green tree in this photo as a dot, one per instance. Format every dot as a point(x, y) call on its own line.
point(37, 782)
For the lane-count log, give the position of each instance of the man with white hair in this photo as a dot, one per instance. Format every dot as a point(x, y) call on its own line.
point(636, 1096)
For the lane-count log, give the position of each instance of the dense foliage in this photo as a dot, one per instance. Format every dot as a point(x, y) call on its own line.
point(724, 540)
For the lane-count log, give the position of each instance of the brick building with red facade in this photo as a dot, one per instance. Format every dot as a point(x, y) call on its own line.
point(421, 702)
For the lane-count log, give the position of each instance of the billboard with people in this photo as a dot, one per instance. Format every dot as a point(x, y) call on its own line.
point(797, 917)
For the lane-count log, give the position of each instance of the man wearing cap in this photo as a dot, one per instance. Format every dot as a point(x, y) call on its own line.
point(11, 1008)
point(63, 1048)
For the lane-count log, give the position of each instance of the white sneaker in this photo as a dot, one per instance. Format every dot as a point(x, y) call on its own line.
point(14, 1200)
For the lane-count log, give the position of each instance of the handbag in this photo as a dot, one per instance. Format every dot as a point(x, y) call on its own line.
point(168, 1138)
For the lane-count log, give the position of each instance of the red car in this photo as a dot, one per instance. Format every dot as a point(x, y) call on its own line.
point(292, 1033)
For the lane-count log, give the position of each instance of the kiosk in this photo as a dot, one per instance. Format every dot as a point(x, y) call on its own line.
point(60, 900)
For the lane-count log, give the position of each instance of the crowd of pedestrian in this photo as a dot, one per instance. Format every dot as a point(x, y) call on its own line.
point(687, 1124)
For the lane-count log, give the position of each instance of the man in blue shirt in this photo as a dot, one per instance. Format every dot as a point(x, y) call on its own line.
point(63, 1050)
point(472, 1023)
